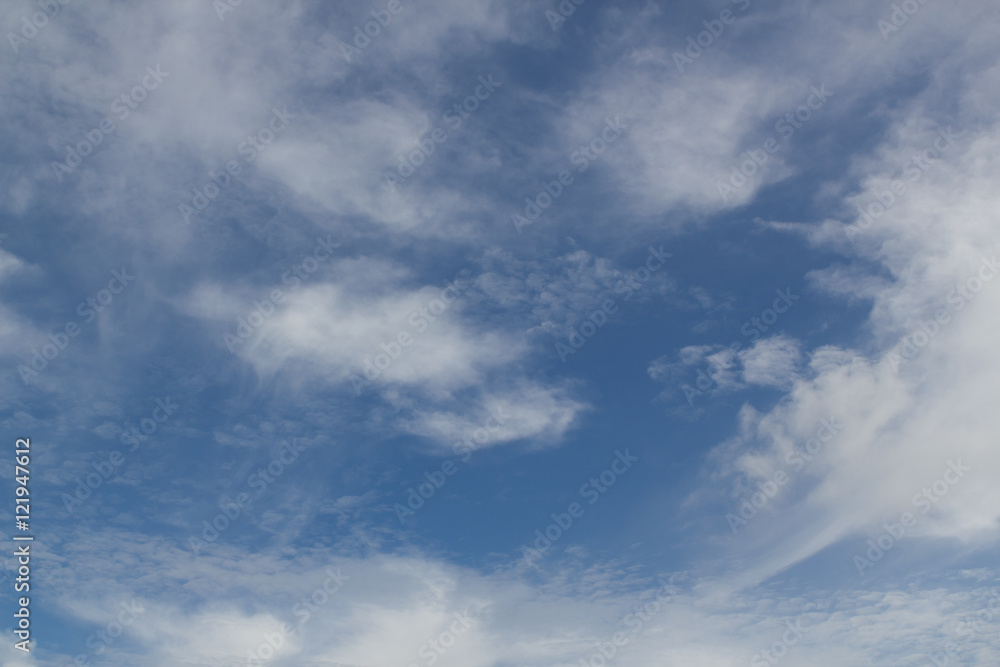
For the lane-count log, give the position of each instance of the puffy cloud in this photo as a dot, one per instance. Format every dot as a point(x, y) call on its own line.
point(918, 401)
point(771, 362)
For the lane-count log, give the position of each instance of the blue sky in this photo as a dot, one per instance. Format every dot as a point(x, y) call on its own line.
point(317, 334)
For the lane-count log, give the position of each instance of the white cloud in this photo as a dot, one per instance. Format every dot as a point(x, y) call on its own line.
point(771, 362)
point(371, 332)
point(922, 397)
point(531, 412)
point(716, 369)
point(389, 608)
